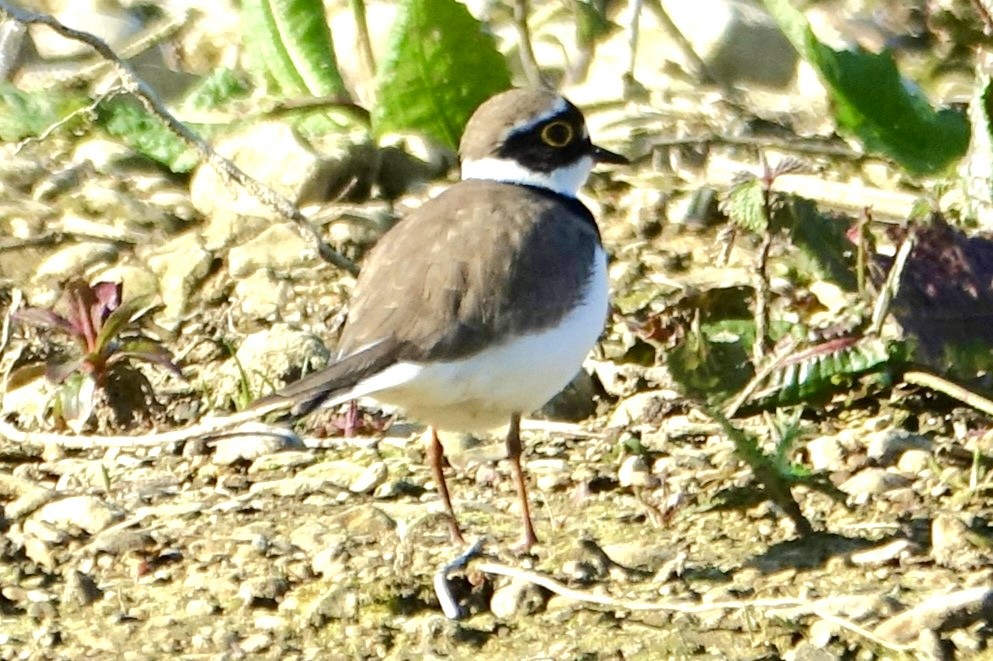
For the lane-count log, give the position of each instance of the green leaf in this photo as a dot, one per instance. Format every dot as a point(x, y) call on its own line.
point(290, 44)
point(42, 318)
point(147, 350)
point(219, 87)
point(119, 321)
point(441, 64)
point(888, 113)
point(26, 114)
point(713, 363)
point(23, 375)
point(75, 400)
point(126, 119)
point(822, 240)
point(745, 205)
point(818, 372)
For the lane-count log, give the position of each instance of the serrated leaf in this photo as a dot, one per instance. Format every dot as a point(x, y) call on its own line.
point(872, 101)
point(440, 65)
point(289, 41)
point(745, 205)
point(819, 371)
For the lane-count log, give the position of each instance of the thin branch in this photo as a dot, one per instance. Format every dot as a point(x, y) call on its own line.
point(209, 427)
point(528, 61)
point(892, 284)
point(133, 84)
point(795, 605)
point(937, 383)
point(766, 370)
point(89, 111)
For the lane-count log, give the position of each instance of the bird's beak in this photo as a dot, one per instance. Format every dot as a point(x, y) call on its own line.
point(601, 155)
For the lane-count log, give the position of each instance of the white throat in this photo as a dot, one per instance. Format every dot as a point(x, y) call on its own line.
point(565, 180)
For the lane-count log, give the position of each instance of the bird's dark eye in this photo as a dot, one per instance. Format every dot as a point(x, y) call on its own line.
point(557, 134)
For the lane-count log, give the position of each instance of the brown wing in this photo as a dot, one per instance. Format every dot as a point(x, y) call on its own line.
point(468, 269)
point(465, 270)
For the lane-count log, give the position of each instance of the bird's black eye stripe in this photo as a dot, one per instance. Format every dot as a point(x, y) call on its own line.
point(548, 144)
point(557, 133)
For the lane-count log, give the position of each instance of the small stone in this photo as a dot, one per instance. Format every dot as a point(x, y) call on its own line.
point(637, 554)
point(348, 475)
point(967, 641)
point(884, 447)
point(519, 597)
point(367, 522)
point(641, 408)
point(279, 248)
point(915, 462)
point(275, 154)
point(618, 380)
point(117, 28)
point(181, 266)
point(72, 260)
point(80, 590)
point(821, 634)
point(369, 479)
point(251, 446)
point(200, 608)
point(281, 461)
point(634, 473)
point(88, 513)
point(552, 481)
point(297, 487)
point(551, 466)
point(879, 555)
point(263, 591)
point(262, 296)
point(950, 546)
point(826, 453)
point(329, 561)
point(268, 357)
point(738, 41)
point(336, 604)
point(255, 643)
point(872, 482)
point(138, 281)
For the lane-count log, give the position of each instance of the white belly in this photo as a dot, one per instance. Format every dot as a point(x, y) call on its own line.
point(481, 392)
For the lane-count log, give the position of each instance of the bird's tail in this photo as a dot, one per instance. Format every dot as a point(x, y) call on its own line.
point(333, 383)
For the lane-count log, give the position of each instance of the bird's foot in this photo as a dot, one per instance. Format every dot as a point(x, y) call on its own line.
point(524, 546)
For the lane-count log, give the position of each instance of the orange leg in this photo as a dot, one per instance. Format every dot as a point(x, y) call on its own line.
point(514, 454)
point(436, 454)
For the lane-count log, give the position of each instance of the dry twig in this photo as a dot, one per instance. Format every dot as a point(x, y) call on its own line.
point(134, 85)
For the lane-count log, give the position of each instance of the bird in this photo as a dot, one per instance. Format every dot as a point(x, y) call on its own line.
point(479, 306)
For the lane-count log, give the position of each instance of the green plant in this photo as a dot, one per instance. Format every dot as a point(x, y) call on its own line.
point(108, 341)
point(889, 114)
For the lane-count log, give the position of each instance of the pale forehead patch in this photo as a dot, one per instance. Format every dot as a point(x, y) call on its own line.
point(557, 108)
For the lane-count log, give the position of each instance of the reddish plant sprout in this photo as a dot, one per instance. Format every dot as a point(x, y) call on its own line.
point(107, 332)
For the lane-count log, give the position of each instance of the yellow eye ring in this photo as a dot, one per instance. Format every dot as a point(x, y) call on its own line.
point(557, 133)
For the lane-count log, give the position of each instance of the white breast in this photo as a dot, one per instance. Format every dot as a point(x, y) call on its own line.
point(481, 392)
